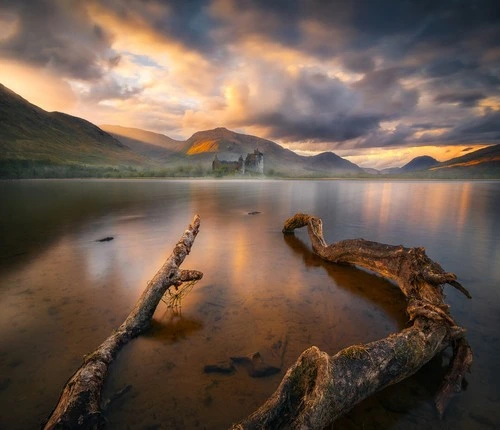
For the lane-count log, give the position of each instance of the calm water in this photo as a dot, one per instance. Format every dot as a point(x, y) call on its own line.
point(62, 293)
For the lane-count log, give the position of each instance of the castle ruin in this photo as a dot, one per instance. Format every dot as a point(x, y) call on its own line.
point(253, 163)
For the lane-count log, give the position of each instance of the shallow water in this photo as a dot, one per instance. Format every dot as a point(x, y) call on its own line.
point(62, 293)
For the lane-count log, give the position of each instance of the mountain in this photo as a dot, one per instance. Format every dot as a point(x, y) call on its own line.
point(371, 171)
point(483, 160)
point(483, 163)
point(155, 146)
point(417, 164)
point(201, 148)
point(423, 162)
point(328, 161)
point(29, 133)
point(229, 145)
point(34, 142)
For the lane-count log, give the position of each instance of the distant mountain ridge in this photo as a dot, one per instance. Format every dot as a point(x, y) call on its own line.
point(202, 146)
point(423, 162)
point(487, 157)
point(32, 138)
point(326, 160)
point(483, 163)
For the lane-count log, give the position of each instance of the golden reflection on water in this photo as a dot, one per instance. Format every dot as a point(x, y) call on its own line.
point(433, 205)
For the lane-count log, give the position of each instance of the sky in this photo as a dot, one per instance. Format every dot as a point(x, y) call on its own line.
point(375, 81)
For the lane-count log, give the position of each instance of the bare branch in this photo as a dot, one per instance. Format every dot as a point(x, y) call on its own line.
point(80, 403)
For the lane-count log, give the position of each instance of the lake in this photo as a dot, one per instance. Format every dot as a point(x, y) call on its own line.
point(62, 292)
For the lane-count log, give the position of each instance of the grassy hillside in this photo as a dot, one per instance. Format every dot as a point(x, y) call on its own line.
point(30, 135)
point(157, 147)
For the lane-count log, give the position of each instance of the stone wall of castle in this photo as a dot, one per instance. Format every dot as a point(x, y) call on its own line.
point(253, 163)
point(229, 166)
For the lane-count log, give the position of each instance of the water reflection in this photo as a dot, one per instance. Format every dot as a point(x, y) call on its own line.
point(173, 327)
point(433, 205)
point(366, 286)
point(63, 292)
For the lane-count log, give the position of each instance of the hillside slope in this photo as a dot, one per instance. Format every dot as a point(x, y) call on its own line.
point(155, 146)
point(423, 162)
point(485, 156)
point(328, 162)
point(28, 132)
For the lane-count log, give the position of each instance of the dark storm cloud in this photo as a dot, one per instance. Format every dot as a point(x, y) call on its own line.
point(358, 63)
point(447, 49)
point(188, 22)
point(487, 126)
point(443, 42)
point(59, 35)
point(317, 107)
point(465, 99)
point(383, 92)
point(479, 129)
point(367, 23)
point(382, 138)
point(445, 68)
point(336, 127)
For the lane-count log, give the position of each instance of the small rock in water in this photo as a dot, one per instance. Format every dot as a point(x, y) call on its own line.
point(254, 365)
point(263, 371)
point(246, 359)
point(254, 213)
point(224, 368)
point(105, 239)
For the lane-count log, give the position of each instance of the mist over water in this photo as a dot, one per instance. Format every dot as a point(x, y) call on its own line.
point(62, 292)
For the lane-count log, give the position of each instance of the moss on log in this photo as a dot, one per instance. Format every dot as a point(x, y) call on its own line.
point(319, 388)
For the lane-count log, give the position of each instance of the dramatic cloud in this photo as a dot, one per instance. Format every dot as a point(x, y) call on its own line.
point(466, 98)
point(58, 35)
point(314, 75)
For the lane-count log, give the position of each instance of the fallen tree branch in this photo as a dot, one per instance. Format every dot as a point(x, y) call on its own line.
point(79, 405)
point(319, 388)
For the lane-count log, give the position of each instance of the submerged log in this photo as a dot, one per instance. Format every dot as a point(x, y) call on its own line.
point(319, 388)
point(79, 405)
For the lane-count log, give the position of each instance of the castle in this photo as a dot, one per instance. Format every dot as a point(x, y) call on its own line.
point(253, 163)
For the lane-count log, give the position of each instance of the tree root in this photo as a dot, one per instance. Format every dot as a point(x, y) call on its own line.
point(319, 388)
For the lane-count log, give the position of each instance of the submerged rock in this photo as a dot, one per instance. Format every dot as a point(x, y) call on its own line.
point(224, 368)
point(246, 359)
point(254, 213)
point(255, 366)
point(105, 239)
point(263, 371)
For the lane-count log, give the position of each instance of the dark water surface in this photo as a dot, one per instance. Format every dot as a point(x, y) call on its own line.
point(62, 293)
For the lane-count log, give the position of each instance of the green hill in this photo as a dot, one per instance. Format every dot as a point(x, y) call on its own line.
point(31, 136)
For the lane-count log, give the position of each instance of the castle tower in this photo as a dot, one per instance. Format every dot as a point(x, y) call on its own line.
point(241, 165)
point(255, 162)
point(215, 163)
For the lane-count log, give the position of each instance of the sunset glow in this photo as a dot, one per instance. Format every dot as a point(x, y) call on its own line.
point(374, 83)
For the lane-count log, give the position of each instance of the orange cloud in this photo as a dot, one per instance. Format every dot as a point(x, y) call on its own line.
point(39, 86)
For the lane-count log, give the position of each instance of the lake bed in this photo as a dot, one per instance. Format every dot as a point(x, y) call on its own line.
point(63, 292)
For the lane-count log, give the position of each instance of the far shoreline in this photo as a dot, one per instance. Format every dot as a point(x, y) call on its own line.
point(254, 179)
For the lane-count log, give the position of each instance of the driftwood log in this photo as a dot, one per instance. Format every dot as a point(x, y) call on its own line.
point(79, 405)
point(319, 388)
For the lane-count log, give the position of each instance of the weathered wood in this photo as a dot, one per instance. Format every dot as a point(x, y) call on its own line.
point(319, 388)
point(79, 405)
